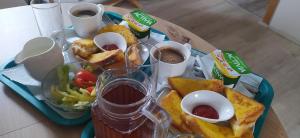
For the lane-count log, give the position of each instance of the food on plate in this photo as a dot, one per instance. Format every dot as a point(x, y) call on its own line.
point(171, 103)
point(134, 56)
point(247, 111)
point(117, 62)
point(125, 32)
point(74, 93)
point(205, 111)
point(187, 85)
point(209, 130)
point(84, 48)
point(109, 47)
point(105, 57)
point(85, 79)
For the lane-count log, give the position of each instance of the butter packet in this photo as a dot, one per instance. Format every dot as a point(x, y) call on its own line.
point(139, 23)
point(224, 65)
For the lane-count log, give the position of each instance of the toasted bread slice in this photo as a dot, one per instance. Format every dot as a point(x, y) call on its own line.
point(134, 56)
point(248, 134)
point(247, 111)
point(240, 129)
point(186, 85)
point(119, 62)
point(171, 103)
point(84, 48)
point(122, 30)
point(105, 57)
point(208, 130)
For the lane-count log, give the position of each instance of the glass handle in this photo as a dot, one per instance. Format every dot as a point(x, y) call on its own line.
point(189, 46)
point(102, 9)
point(159, 117)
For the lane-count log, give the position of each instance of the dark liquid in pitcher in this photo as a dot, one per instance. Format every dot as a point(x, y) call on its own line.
point(122, 93)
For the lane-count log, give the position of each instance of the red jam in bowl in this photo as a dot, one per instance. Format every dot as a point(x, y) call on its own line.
point(110, 47)
point(206, 111)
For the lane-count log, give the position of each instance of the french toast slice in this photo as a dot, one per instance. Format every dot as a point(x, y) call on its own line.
point(105, 57)
point(247, 111)
point(186, 85)
point(210, 130)
point(171, 103)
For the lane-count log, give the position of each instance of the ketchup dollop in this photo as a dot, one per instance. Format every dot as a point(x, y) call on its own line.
point(110, 47)
point(206, 111)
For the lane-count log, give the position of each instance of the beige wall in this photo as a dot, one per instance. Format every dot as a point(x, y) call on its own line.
point(286, 19)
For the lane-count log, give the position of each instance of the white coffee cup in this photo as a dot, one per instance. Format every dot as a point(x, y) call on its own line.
point(86, 26)
point(167, 69)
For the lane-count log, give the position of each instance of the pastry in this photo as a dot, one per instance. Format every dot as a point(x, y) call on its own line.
point(125, 32)
point(84, 48)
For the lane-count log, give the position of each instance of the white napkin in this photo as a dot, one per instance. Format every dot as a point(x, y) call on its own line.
point(19, 74)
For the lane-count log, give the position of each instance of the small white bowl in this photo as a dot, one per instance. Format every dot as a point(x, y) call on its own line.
point(213, 99)
point(110, 38)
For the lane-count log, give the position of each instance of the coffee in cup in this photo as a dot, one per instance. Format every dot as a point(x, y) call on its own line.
point(84, 13)
point(173, 58)
point(86, 18)
point(169, 55)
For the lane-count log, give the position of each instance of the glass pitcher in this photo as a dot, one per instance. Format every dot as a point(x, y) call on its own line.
point(125, 107)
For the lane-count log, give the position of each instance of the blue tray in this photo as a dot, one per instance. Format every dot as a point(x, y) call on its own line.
point(24, 92)
point(264, 95)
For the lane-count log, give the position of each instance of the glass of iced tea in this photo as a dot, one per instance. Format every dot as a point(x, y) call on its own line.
point(125, 107)
point(138, 57)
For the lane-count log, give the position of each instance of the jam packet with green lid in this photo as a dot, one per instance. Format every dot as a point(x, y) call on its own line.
point(139, 23)
point(224, 65)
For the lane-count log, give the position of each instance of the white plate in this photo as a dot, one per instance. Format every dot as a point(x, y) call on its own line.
point(71, 36)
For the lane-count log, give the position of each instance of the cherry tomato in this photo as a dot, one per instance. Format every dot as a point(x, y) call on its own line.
point(90, 89)
point(84, 79)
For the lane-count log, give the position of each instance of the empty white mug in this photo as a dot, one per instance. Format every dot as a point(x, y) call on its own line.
point(167, 69)
point(86, 26)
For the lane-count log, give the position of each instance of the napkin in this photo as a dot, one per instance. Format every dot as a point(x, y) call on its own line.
point(19, 74)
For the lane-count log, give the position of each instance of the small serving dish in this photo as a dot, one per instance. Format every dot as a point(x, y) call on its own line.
point(110, 38)
point(65, 89)
point(212, 99)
